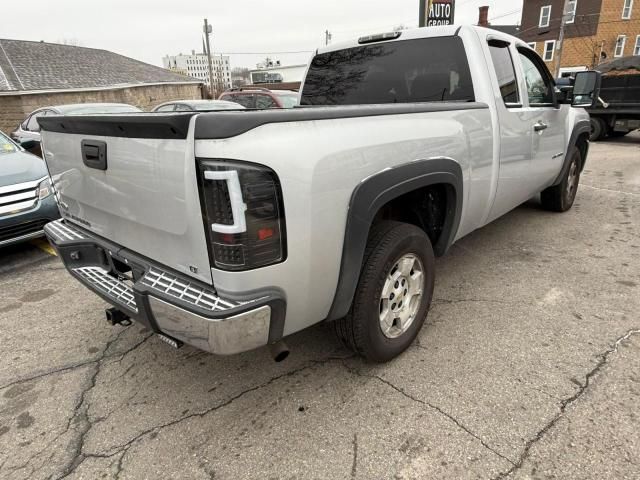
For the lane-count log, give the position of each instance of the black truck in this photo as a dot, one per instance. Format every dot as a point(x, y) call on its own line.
point(618, 112)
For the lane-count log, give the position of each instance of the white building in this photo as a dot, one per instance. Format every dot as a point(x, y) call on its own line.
point(196, 65)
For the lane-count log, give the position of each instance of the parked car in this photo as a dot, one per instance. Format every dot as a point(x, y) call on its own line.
point(197, 106)
point(30, 130)
point(246, 228)
point(26, 199)
point(262, 98)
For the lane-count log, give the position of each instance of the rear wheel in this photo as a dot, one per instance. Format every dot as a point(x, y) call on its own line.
point(560, 198)
point(393, 295)
point(598, 129)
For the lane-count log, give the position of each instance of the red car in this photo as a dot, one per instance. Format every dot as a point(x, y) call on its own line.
point(261, 98)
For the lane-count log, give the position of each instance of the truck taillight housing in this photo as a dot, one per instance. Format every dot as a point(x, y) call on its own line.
point(243, 214)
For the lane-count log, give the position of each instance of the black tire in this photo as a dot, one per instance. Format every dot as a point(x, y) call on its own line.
point(560, 198)
point(598, 129)
point(361, 330)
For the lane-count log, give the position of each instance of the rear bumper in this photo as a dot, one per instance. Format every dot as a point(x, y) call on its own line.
point(167, 302)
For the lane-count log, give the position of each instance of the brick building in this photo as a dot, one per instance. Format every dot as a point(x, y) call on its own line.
point(39, 74)
point(596, 31)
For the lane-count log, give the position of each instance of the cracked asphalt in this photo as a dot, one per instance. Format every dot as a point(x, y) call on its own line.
point(528, 367)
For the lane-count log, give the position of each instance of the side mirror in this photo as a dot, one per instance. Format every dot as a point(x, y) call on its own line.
point(564, 90)
point(29, 144)
point(586, 89)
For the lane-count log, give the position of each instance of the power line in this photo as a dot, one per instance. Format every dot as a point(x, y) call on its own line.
point(266, 53)
point(504, 15)
point(548, 29)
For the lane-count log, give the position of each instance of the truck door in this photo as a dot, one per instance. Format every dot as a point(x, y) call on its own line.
point(515, 127)
point(548, 120)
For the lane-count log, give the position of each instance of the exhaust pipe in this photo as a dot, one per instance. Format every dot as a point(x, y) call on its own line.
point(279, 350)
point(117, 317)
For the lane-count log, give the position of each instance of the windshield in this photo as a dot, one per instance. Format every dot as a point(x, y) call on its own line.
point(6, 145)
point(90, 109)
point(289, 100)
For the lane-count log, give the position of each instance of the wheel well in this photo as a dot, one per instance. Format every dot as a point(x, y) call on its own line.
point(582, 143)
point(427, 208)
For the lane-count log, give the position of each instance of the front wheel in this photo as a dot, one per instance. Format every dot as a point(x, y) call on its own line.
point(393, 295)
point(560, 198)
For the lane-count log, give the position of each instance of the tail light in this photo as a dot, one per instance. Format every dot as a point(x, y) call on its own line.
point(244, 215)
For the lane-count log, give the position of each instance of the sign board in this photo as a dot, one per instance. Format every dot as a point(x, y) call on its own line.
point(439, 12)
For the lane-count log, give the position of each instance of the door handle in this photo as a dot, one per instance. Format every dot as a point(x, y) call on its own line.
point(540, 126)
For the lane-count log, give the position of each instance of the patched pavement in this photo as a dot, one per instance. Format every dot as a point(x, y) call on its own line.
point(528, 367)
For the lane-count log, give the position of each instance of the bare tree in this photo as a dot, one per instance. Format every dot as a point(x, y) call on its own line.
point(240, 72)
point(239, 77)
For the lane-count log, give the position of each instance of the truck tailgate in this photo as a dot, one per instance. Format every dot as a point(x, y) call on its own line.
point(145, 198)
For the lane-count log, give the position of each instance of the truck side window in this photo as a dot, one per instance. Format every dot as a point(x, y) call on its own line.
point(506, 73)
point(538, 79)
point(403, 71)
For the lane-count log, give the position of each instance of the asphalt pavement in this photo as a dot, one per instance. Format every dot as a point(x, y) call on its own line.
point(528, 367)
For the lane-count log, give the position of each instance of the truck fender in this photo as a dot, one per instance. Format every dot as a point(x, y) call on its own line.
point(580, 128)
point(371, 195)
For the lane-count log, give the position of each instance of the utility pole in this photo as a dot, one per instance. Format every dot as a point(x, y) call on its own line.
point(563, 24)
point(208, 29)
point(422, 13)
point(327, 37)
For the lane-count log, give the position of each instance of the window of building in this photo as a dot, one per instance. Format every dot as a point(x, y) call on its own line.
point(545, 16)
point(636, 50)
point(627, 9)
point(505, 72)
point(549, 49)
point(620, 42)
point(571, 11)
point(532, 45)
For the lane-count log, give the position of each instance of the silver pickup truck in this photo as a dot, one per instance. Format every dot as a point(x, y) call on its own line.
point(232, 230)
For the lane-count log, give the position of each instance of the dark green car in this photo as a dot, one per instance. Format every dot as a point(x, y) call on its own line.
point(27, 202)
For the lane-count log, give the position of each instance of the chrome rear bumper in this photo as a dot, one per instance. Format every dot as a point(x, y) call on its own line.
point(169, 303)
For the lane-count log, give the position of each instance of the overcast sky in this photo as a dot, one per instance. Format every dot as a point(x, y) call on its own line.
point(149, 29)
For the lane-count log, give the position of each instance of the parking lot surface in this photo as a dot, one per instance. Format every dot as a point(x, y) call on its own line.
point(528, 367)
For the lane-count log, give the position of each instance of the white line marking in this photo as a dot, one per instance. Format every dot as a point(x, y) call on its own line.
point(610, 190)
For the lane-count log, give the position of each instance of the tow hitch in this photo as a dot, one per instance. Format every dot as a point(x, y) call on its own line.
point(117, 317)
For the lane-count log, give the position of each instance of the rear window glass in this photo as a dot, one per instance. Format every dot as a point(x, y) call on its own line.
point(424, 70)
point(247, 100)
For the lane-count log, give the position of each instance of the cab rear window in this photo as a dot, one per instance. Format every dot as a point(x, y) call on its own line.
point(409, 71)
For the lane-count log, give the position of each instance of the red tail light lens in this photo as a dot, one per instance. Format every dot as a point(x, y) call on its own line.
point(244, 214)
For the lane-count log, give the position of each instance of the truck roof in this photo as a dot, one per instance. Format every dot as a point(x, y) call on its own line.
point(428, 32)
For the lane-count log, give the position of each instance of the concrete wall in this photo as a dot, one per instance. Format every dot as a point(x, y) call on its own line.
point(14, 108)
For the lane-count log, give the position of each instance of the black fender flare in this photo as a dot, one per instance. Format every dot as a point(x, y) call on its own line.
point(580, 128)
point(373, 193)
